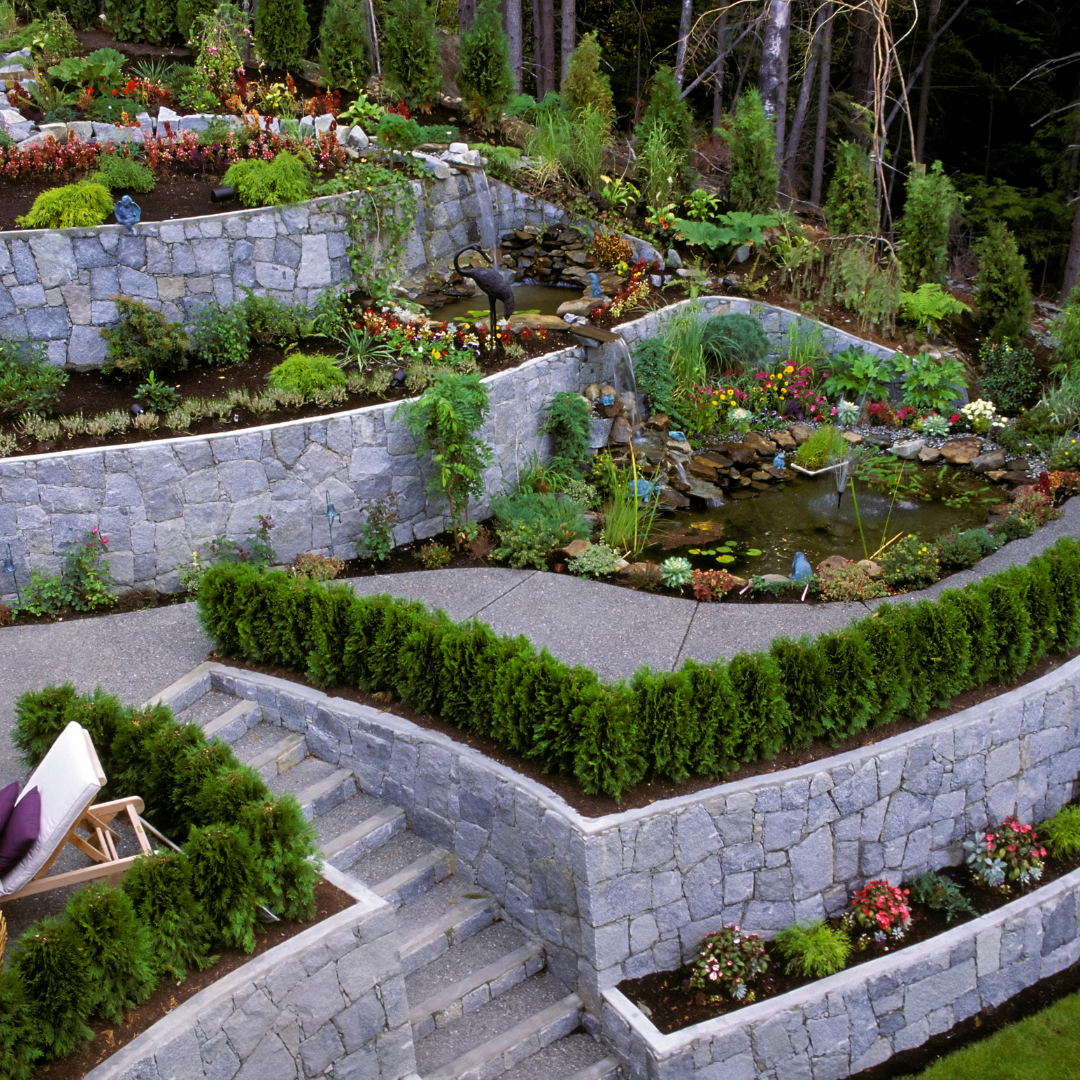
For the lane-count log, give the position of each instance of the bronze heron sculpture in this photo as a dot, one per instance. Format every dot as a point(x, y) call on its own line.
point(490, 282)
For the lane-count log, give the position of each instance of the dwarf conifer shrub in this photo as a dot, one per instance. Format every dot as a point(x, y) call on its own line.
point(751, 139)
point(732, 343)
point(18, 1051)
point(281, 33)
point(306, 373)
point(666, 109)
point(39, 720)
point(1004, 289)
point(410, 53)
point(850, 206)
point(143, 341)
point(68, 207)
point(584, 83)
point(224, 881)
point(343, 44)
point(924, 228)
point(269, 183)
point(117, 172)
point(814, 948)
point(115, 946)
point(484, 75)
point(282, 839)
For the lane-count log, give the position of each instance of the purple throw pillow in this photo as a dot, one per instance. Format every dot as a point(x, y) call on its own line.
point(7, 803)
point(21, 831)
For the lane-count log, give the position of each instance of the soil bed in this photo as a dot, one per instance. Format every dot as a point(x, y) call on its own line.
point(108, 1038)
point(672, 1006)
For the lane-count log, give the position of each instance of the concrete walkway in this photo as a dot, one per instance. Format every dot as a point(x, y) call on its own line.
point(611, 630)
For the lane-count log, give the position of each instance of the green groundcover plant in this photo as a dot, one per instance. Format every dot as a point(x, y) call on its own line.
point(109, 948)
point(702, 720)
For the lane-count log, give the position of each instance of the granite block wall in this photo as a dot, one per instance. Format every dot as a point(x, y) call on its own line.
point(330, 1000)
point(859, 1018)
point(623, 895)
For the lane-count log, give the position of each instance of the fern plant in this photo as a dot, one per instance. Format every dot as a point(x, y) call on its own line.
point(566, 420)
point(814, 948)
point(1061, 833)
point(68, 207)
point(929, 306)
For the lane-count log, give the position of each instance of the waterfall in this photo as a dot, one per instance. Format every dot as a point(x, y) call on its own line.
point(489, 234)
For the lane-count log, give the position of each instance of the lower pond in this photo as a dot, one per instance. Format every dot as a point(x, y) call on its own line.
point(539, 299)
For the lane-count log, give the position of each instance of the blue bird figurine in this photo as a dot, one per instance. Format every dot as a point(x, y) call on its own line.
point(594, 285)
point(778, 461)
point(127, 212)
point(800, 567)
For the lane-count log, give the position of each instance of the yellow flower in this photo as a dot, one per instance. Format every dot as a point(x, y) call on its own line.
point(789, 369)
point(437, 355)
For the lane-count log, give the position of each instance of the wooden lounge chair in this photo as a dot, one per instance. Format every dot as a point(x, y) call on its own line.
point(69, 779)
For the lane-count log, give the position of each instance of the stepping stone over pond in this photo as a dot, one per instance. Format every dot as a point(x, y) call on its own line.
point(962, 451)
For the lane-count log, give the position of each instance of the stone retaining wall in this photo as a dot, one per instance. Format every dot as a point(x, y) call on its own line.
point(330, 999)
point(627, 894)
point(851, 1021)
point(58, 285)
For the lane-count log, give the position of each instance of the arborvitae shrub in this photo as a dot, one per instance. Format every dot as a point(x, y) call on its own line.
point(343, 44)
point(57, 986)
point(419, 654)
point(101, 714)
point(225, 793)
point(584, 83)
point(1011, 623)
point(159, 19)
point(285, 844)
point(806, 687)
point(714, 699)
point(116, 948)
point(942, 656)
point(471, 668)
point(924, 228)
point(193, 767)
point(39, 719)
point(129, 746)
point(890, 656)
point(485, 77)
point(163, 752)
point(666, 110)
point(410, 53)
point(68, 207)
point(159, 887)
point(18, 1051)
point(849, 665)
point(269, 183)
point(851, 203)
point(1063, 565)
point(975, 612)
point(751, 139)
point(1041, 602)
point(225, 881)
point(764, 716)
point(1004, 298)
point(610, 752)
point(281, 33)
point(664, 710)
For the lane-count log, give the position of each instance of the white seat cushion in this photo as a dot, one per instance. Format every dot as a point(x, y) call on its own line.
point(68, 778)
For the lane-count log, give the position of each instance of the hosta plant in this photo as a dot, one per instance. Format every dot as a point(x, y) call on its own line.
point(729, 964)
point(881, 911)
point(1009, 853)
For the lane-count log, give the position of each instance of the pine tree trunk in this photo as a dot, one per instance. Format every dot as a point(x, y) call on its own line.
point(822, 110)
point(569, 34)
point(772, 75)
point(466, 12)
point(1072, 263)
point(802, 107)
point(544, 46)
point(685, 21)
point(718, 74)
point(511, 12)
point(924, 90)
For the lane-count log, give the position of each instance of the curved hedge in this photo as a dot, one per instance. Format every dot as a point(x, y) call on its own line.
point(704, 719)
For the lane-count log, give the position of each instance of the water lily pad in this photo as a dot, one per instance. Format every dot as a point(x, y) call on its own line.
point(725, 558)
point(704, 526)
point(753, 552)
point(695, 551)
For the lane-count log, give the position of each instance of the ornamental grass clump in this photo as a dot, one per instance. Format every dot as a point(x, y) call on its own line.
point(814, 948)
point(881, 911)
point(1062, 832)
point(729, 965)
point(1009, 853)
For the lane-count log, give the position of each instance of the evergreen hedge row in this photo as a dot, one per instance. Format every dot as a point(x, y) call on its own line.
point(704, 719)
point(111, 946)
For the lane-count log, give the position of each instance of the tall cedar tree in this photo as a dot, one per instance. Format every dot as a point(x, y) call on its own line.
point(410, 53)
point(751, 139)
point(924, 228)
point(850, 205)
point(484, 76)
point(344, 47)
point(282, 32)
point(1004, 289)
point(584, 83)
point(665, 108)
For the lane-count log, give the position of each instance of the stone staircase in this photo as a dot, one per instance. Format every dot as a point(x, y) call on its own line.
point(482, 1004)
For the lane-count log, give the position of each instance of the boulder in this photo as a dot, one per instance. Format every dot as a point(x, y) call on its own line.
point(1018, 465)
point(908, 450)
point(620, 432)
point(962, 451)
point(989, 462)
point(573, 549)
point(58, 131)
point(708, 494)
point(579, 306)
point(659, 421)
point(774, 577)
point(870, 568)
point(852, 437)
point(800, 433)
point(670, 499)
point(714, 457)
point(881, 441)
point(535, 322)
point(833, 562)
point(784, 440)
point(640, 572)
point(357, 139)
point(702, 469)
point(777, 474)
point(762, 445)
point(929, 454)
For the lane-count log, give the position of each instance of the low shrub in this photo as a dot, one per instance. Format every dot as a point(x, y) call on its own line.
point(597, 560)
point(28, 382)
point(434, 556)
point(941, 894)
point(219, 333)
point(143, 341)
point(733, 343)
point(306, 373)
point(269, 183)
point(310, 566)
point(851, 582)
point(1009, 853)
point(376, 539)
point(67, 207)
point(910, 564)
point(1062, 832)
point(814, 948)
point(957, 551)
point(531, 526)
point(1009, 377)
point(1064, 455)
point(729, 964)
point(119, 173)
point(83, 582)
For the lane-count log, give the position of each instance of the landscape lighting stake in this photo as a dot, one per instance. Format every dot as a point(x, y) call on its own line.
point(331, 513)
point(9, 568)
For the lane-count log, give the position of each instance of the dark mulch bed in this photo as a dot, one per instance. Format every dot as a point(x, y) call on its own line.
point(671, 1005)
point(108, 1039)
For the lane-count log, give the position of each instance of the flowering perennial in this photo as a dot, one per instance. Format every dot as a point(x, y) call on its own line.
point(1011, 852)
point(881, 909)
point(729, 964)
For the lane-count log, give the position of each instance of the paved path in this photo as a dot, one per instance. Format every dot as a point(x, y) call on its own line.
point(614, 631)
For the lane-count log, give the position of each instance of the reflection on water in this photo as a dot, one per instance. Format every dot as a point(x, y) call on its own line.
point(543, 298)
point(803, 516)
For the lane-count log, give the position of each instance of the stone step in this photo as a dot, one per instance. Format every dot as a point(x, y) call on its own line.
point(577, 1056)
point(416, 878)
point(428, 943)
point(475, 989)
point(369, 835)
point(234, 722)
point(323, 795)
point(270, 750)
point(497, 1036)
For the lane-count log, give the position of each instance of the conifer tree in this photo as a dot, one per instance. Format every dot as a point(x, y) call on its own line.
point(849, 207)
point(665, 108)
point(410, 53)
point(924, 228)
point(282, 32)
point(1004, 301)
point(484, 75)
point(584, 83)
point(344, 47)
point(751, 139)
